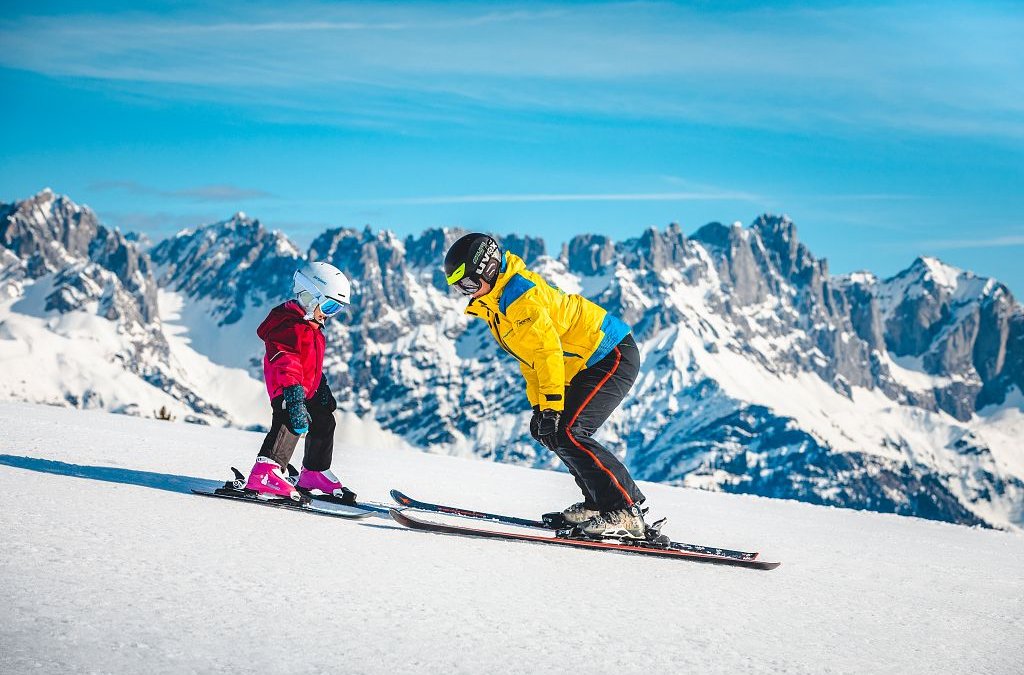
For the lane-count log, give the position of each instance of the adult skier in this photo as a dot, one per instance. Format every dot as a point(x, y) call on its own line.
point(300, 398)
point(578, 361)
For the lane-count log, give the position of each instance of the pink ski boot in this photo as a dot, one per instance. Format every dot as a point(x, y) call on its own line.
point(269, 481)
point(319, 483)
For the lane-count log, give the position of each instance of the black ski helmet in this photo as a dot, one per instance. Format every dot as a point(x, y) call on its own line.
point(471, 260)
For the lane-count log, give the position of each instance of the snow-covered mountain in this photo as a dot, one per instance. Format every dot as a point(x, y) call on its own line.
point(80, 323)
point(762, 373)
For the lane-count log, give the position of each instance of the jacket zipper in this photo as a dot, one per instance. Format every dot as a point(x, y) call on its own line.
point(504, 345)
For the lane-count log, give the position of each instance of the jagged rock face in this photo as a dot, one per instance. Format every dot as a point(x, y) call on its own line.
point(47, 233)
point(958, 326)
point(374, 262)
point(30, 229)
point(237, 264)
point(527, 248)
point(589, 254)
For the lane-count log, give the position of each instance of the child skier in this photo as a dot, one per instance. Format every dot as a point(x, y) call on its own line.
point(300, 397)
point(579, 362)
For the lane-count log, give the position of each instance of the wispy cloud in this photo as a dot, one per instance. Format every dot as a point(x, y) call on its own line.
point(200, 193)
point(861, 197)
point(948, 69)
point(566, 197)
point(957, 244)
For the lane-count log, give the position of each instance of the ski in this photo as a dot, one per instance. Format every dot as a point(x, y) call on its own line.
point(365, 506)
point(235, 490)
point(640, 548)
point(410, 503)
point(346, 501)
point(305, 507)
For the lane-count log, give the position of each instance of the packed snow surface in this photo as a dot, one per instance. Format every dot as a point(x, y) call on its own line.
point(108, 564)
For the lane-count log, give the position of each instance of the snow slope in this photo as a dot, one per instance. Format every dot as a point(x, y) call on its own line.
point(108, 565)
point(241, 395)
point(74, 359)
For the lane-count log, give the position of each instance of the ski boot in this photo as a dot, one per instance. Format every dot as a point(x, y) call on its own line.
point(325, 484)
point(623, 524)
point(268, 481)
point(571, 516)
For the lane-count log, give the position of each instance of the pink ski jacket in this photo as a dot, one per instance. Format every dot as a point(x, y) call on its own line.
point(295, 350)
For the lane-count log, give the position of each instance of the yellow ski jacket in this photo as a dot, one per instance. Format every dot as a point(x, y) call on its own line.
point(554, 335)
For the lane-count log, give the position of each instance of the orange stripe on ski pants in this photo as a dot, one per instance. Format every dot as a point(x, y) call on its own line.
point(586, 401)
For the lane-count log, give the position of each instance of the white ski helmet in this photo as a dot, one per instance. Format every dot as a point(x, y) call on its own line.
point(323, 284)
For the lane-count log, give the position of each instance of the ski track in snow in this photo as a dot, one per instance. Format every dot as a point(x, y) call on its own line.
point(123, 571)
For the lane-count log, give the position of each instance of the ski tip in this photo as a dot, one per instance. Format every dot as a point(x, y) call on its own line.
point(401, 498)
point(400, 518)
point(358, 516)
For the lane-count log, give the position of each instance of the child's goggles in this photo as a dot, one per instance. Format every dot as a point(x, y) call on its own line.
point(330, 307)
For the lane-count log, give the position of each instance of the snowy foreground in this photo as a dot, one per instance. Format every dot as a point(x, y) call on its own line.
point(107, 564)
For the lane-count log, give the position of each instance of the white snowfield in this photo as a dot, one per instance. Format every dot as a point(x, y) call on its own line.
point(108, 564)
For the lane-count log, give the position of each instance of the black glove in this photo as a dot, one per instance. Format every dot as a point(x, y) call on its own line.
point(324, 396)
point(295, 404)
point(544, 427)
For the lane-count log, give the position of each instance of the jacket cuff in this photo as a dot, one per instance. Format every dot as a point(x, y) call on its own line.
point(552, 402)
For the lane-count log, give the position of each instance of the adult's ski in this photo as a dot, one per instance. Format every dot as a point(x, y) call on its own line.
point(411, 503)
point(408, 502)
point(640, 548)
point(235, 491)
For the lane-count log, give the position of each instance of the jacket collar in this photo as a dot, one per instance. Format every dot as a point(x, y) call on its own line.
point(486, 305)
point(294, 307)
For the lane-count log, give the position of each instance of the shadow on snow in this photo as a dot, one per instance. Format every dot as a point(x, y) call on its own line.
point(151, 479)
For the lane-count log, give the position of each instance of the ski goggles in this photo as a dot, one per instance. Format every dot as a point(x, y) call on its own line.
point(467, 286)
point(464, 284)
point(330, 307)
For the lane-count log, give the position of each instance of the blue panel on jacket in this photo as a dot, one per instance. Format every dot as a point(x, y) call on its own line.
point(513, 290)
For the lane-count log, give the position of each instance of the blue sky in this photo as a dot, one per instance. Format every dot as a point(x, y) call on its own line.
point(886, 131)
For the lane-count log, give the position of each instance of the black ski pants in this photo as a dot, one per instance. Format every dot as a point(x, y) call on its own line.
point(280, 442)
point(589, 399)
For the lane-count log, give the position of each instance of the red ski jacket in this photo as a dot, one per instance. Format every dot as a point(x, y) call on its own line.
point(295, 350)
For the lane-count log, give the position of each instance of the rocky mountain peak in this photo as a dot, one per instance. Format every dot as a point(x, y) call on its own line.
point(791, 258)
point(427, 250)
point(656, 250)
point(48, 233)
point(715, 235)
point(527, 248)
point(588, 254)
point(236, 263)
